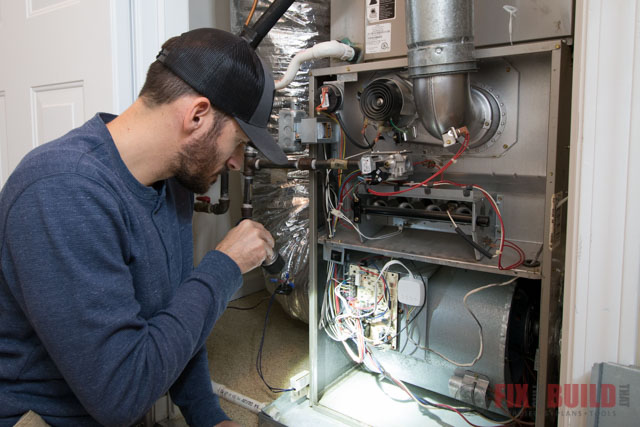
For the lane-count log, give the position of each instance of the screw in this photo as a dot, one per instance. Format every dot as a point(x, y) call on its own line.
point(505, 146)
point(557, 46)
point(439, 50)
point(487, 123)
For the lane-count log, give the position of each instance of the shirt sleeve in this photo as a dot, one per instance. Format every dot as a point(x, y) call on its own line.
point(193, 393)
point(66, 245)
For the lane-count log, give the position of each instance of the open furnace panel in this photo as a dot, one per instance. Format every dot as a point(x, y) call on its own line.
point(436, 256)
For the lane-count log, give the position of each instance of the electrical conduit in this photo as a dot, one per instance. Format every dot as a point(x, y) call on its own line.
point(237, 398)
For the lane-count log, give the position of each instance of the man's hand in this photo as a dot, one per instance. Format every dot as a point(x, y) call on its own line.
point(248, 245)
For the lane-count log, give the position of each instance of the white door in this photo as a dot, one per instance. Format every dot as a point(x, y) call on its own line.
point(55, 72)
point(62, 61)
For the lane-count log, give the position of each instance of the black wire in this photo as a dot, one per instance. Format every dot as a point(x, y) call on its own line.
point(248, 308)
point(473, 243)
point(369, 146)
point(259, 358)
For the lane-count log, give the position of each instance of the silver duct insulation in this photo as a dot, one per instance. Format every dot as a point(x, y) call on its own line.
point(441, 55)
point(303, 25)
point(284, 210)
point(281, 199)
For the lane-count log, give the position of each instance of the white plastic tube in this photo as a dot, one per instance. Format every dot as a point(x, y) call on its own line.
point(330, 49)
point(237, 398)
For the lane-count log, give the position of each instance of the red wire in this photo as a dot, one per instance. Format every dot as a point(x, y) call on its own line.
point(517, 248)
point(519, 251)
point(451, 408)
point(440, 171)
point(504, 242)
point(344, 187)
point(464, 146)
point(496, 210)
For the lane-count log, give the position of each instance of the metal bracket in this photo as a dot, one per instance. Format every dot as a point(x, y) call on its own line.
point(333, 254)
point(555, 220)
point(470, 387)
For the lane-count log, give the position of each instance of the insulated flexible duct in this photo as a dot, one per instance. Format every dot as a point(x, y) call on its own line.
point(281, 199)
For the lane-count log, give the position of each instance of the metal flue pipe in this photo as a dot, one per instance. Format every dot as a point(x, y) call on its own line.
point(441, 56)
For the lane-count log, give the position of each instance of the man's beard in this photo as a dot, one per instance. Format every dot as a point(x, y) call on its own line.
point(193, 167)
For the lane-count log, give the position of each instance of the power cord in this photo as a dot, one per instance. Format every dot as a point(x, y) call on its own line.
point(248, 308)
point(285, 288)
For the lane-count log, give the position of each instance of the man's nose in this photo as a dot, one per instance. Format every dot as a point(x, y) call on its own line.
point(236, 161)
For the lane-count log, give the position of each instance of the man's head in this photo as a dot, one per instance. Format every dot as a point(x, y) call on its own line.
point(228, 73)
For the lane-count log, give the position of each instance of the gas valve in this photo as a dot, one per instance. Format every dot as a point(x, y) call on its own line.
point(379, 167)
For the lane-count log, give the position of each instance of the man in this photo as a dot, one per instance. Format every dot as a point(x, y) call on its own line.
point(101, 310)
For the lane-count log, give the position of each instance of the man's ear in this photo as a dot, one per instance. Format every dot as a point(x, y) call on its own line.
point(196, 114)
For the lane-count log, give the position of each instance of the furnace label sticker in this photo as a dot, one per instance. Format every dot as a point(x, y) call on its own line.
point(378, 38)
point(380, 10)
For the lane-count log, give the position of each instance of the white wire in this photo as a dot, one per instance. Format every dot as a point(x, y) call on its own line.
point(562, 202)
point(382, 271)
point(347, 324)
point(358, 154)
point(481, 347)
point(339, 214)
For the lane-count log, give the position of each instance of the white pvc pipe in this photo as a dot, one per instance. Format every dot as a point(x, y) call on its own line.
point(330, 49)
point(237, 398)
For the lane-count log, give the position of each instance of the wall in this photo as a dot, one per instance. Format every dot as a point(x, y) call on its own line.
point(210, 13)
point(602, 297)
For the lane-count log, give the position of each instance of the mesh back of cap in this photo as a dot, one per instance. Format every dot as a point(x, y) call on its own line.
point(220, 66)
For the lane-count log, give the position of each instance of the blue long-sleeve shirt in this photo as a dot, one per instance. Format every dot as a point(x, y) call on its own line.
point(101, 310)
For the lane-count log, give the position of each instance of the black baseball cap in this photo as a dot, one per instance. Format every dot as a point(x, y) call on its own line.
point(225, 69)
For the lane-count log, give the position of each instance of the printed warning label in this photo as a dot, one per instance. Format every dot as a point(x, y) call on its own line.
point(380, 10)
point(378, 38)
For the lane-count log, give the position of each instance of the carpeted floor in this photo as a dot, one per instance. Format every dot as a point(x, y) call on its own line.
point(233, 348)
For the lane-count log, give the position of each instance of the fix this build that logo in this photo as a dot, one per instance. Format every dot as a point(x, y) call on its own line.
point(568, 398)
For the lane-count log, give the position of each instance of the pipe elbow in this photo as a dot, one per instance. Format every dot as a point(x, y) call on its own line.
point(442, 101)
point(221, 207)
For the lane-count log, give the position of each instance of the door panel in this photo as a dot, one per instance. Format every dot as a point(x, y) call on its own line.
point(56, 70)
point(56, 109)
point(35, 7)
